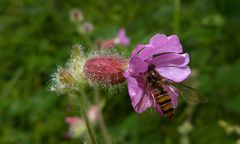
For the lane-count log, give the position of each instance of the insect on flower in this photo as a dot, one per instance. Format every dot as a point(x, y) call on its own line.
point(154, 75)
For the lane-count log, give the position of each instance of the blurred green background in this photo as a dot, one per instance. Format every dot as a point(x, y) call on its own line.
point(37, 35)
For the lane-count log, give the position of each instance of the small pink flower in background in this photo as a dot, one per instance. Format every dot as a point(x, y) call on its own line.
point(76, 15)
point(72, 120)
point(93, 114)
point(86, 27)
point(171, 65)
point(122, 38)
point(106, 44)
point(77, 126)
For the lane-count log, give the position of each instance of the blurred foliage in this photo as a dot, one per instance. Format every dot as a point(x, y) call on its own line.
point(36, 35)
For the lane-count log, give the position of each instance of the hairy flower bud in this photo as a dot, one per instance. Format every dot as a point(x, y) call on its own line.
point(76, 15)
point(105, 69)
point(66, 77)
point(86, 27)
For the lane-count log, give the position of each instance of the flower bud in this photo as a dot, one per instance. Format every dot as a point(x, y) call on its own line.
point(76, 15)
point(106, 44)
point(85, 28)
point(66, 77)
point(105, 69)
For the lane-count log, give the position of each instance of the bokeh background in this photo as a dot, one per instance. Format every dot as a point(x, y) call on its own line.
point(37, 35)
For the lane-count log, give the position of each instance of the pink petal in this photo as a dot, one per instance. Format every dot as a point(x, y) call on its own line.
point(137, 49)
point(137, 65)
point(93, 113)
point(173, 93)
point(136, 88)
point(160, 43)
point(173, 59)
point(122, 37)
point(158, 39)
point(176, 74)
point(158, 109)
point(72, 120)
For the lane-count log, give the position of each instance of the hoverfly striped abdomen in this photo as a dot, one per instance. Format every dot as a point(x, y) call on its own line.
point(160, 95)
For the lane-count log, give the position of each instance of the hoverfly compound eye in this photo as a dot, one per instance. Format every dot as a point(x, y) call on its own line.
point(151, 67)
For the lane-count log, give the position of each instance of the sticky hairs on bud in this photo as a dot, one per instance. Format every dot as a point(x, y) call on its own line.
point(105, 69)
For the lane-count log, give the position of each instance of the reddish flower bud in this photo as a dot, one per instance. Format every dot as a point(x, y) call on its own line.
point(106, 44)
point(105, 69)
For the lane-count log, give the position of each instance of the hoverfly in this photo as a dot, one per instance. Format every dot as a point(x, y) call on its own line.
point(154, 86)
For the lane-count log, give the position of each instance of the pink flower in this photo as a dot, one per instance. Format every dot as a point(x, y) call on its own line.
point(93, 113)
point(72, 120)
point(122, 38)
point(163, 53)
point(77, 126)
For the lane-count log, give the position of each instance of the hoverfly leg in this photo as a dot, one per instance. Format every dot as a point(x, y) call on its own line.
point(142, 97)
point(154, 100)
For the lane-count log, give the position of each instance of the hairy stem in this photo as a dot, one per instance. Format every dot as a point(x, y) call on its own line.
point(83, 107)
point(101, 121)
point(89, 44)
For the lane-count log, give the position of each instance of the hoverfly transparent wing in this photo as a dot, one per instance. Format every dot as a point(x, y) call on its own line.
point(139, 104)
point(190, 94)
point(146, 100)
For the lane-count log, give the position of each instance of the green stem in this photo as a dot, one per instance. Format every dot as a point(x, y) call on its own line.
point(103, 128)
point(88, 41)
point(101, 121)
point(176, 18)
point(83, 105)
